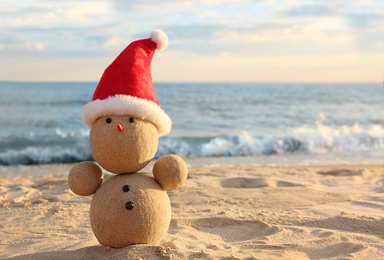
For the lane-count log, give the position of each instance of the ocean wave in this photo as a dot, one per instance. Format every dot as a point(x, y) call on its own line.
point(42, 155)
point(59, 147)
point(313, 140)
point(34, 148)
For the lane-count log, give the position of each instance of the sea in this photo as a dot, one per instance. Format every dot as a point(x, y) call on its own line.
point(213, 123)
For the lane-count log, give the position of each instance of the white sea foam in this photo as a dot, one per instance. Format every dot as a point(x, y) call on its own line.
point(322, 139)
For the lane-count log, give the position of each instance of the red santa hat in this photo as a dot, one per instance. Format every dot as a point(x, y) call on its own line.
point(126, 86)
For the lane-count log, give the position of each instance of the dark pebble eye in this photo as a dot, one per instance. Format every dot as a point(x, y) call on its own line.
point(129, 205)
point(108, 120)
point(126, 188)
point(132, 120)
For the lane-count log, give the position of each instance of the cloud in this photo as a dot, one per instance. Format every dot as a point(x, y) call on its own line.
point(359, 4)
point(221, 30)
point(112, 41)
point(58, 28)
point(55, 14)
point(39, 46)
point(196, 32)
point(133, 5)
point(315, 37)
point(366, 20)
point(310, 10)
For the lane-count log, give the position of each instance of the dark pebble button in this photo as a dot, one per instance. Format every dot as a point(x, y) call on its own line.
point(131, 119)
point(129, 205)
point(126, 188)
point(108, 120)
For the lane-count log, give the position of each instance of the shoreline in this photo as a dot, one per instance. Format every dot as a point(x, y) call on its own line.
point(280, 160)
point(238, 212)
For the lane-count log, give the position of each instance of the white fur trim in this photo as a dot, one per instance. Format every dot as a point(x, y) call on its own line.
point(160, 38)
point(127, 105)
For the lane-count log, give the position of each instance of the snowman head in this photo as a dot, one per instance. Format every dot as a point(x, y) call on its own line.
point(123, 144)
point(124, 115)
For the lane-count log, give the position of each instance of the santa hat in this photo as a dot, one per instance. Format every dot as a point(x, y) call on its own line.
point(126, 86)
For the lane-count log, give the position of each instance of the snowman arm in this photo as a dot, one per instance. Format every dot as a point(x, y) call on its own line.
point(85, 178)
point(170, 171)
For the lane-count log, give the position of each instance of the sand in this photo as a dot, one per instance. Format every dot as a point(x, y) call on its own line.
point(303, 212)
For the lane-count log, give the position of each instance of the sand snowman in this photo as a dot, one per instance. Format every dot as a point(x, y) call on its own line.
point(126, 121)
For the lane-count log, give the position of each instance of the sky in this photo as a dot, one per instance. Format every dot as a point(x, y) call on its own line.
point(209, 40)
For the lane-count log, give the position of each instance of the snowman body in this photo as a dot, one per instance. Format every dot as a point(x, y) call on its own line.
point(130, 209)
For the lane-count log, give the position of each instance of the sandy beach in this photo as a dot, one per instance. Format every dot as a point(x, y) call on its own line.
point(239, 212)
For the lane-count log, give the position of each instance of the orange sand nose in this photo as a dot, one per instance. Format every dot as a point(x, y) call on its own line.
point(119, 127)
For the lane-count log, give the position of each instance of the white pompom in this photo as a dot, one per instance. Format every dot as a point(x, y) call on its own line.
point(160, 38)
